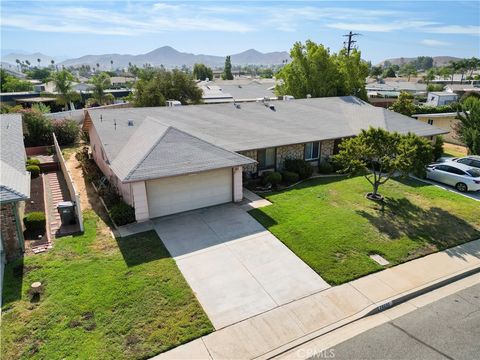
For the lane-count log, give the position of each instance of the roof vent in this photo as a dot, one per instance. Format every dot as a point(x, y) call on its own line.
point(288, 97)
point(309, 96)
point(272, 107)
point(130, 122)
point(237, 106)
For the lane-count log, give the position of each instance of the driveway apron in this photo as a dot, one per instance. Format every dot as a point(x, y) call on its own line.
point(236, 267)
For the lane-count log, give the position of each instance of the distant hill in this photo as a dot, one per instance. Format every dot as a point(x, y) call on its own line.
point(44, 59)
point(169, 57)
point(437, 60)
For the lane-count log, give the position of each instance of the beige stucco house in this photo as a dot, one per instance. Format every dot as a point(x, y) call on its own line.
point(166, 160)
point(446, 121)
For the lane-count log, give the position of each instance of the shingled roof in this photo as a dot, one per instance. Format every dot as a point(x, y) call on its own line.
point(14, 179)
point(155, 150)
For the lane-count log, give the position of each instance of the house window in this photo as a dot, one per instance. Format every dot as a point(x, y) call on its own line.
point(430, 121)
point(266, 158)
point(311, 150)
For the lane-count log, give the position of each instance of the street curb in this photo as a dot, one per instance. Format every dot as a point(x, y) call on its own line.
point(373, 309)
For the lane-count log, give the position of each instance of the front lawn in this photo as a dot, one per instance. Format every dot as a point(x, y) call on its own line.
point(104, 298)
point(330, 225)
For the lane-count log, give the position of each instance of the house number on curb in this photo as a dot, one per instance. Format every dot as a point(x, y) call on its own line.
point(385, 306)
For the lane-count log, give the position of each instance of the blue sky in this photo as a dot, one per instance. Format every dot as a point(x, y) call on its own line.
point(388, 28)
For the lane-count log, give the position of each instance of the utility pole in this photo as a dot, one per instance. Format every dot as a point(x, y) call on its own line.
point(349, 44)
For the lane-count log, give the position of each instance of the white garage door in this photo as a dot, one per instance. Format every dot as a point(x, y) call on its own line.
point(188, 192)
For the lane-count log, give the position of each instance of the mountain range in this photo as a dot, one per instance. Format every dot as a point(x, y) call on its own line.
point(437, 60)
point(166, 56)
point(32, 58)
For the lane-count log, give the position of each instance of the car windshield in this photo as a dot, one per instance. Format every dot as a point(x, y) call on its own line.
point(474, 172)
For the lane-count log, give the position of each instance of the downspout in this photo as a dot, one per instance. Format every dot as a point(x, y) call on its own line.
point(21, 239)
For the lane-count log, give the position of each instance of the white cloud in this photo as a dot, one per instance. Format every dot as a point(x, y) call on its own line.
point(381, 27)
point(456, 29)
point(433, 43)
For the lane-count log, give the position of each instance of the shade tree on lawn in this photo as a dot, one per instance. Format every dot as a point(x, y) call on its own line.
point(379, 154)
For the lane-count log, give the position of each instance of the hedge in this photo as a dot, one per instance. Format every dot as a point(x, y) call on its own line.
point(301, 167)
point(34, 170)
point(122, 213)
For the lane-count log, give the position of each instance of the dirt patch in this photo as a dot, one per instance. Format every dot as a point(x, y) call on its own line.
point(455, 149)
point(89, 199)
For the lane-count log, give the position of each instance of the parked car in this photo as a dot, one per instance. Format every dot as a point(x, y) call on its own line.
point(462, 177)
point(470, 160)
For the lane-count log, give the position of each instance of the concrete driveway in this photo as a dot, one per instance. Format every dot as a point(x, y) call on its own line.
point(236, 267)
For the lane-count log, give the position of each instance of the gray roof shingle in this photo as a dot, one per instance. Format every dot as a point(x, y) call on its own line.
point(155, 150)
point(256, 126)
point(14, 179)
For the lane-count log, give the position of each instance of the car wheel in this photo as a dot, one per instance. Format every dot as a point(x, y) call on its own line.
point(461, 187)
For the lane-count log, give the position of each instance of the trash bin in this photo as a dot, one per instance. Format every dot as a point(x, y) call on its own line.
point(67, 212)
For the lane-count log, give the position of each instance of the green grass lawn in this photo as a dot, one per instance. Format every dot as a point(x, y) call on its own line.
point(330, 225)
point(104, 298)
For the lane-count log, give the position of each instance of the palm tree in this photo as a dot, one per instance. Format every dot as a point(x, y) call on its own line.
point(28, 63)
point(429, 76)
point(63, 81)
point(101, 82)
point(98, 66)
point(111, 64)
point(18, 63)
point(38, 60)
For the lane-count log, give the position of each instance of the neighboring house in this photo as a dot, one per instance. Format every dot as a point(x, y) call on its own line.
point(121, 81)
point(384, 93)
point(440, 98)
point(461, 89)
point(239, 90)
point(165, 160)
point(446, 121)
point(14, 185)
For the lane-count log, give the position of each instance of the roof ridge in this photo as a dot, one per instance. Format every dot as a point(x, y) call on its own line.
point(151, 148)
point(208, 142)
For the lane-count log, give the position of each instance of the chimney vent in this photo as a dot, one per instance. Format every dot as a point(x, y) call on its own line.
point(130, 122)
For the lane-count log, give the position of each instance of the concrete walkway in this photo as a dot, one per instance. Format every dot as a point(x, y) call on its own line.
point(236, 268)
point(275, 331)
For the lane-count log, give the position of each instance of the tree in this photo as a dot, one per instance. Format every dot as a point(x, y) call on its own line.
point(408, 70)
point(390, 72)
point(202, 72)
point(63, 81)
point(429, 76)
point(227, 71)
point(52, 62)
point(311, 71)
point(404, 104)
point(38, 128)
point(376, 71)
point(41, 74)
point(379, 154)
point(353, 72)
point(156, 86)
point(9, 83)
point(39, 60)
point(468, 127)
point(101, 82)
point(111, 64)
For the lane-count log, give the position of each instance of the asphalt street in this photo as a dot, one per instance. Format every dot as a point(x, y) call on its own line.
point(446, 329)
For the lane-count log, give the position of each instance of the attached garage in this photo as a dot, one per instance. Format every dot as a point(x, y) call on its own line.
point(187, 192)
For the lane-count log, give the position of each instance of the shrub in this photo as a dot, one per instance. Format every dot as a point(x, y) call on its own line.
point(67, 131)
point(273, 178)
point(301, 167)
point(33, 161)
point(82, 154)
point(122, 213)
point(290, 177)
point(35, 222)
point(437, 148)
point(34, 170)
point(38, 129)
point(325, 167)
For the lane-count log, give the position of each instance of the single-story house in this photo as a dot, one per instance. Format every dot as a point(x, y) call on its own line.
point(446, 121)
point(441, 98)
point(461, 89)
point(14, 185)
point(165, 160)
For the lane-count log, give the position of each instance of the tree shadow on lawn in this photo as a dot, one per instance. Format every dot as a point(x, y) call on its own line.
point(434, 226)
point(142, 248)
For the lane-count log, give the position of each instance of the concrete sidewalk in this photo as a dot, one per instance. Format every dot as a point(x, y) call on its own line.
point(277, 330)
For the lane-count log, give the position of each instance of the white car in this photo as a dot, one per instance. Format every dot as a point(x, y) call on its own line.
point(462, 177)
point(469, 160)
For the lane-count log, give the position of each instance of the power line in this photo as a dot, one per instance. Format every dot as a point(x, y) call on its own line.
point(350, 43)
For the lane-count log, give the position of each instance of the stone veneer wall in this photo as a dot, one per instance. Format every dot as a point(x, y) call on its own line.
point(252, 154)
point(296, 151)
point(326, 148)
point(8, 229)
